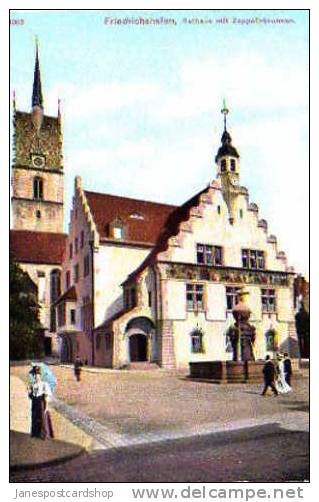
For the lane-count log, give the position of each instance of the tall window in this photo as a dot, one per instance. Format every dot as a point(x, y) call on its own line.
point(67, 279)
point(223, 165)
point(86, 265)
point(72, 316)
point(82, 238)
point(268, 300)
point(231, 297)
point(232, 164)
point(86, 314)
point(37, 188)
point(76, 242)
point(76, 273)
point(71, 250)
point(61, 314)
point(209, 255)
point(55, 291)
point(195, 297)
point(197, 345)
point(252, 258)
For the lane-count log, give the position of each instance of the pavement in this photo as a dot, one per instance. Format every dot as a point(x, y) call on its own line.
point(70, 441)
point(111, 410)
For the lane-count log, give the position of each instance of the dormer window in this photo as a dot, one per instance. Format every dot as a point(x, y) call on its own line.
point(118, 232)
point(233, 165)
point(223, 165)
point(136, 216)
point(118, 229)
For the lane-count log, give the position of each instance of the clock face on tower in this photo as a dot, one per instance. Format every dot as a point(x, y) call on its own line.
point(38, 160)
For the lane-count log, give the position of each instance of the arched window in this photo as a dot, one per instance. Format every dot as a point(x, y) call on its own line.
point(37, 188)
point(271, 340)
point(55, 291)
point(197, 345)
point(232, 164)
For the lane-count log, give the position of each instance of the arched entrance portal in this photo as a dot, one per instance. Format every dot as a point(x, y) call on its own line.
point(138, 348)
point(140, 338)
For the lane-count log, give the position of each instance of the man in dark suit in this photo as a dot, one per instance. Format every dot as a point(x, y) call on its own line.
point(287, 369)
point(269, 376)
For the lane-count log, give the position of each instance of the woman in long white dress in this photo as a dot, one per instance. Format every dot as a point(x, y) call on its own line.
point(281, 383)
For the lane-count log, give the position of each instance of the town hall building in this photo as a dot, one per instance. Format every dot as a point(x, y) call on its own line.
point(155, 284)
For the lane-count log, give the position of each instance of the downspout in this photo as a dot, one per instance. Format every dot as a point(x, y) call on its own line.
point(159, 305)
point(92, 302)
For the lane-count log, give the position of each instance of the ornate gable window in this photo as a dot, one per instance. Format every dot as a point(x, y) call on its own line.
point(209, 255)
point(197, 345)
point(252, 258)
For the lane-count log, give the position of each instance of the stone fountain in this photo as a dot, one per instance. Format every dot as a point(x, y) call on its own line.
point(243, 367)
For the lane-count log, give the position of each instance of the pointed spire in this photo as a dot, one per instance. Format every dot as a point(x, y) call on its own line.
point(227, 149)
point(37, 99)
point(225, 112)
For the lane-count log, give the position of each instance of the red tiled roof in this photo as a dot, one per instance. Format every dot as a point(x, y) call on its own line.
point(69, 296)
point(106, 209)
point(170, 229)
point(37, 247)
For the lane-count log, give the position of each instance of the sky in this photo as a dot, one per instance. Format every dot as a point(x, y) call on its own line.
point(141, 104)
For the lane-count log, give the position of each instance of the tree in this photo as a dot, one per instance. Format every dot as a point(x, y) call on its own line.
point(25, 327)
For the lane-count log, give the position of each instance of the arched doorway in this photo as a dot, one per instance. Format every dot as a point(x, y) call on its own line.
point(140, 340)
point(138, 348)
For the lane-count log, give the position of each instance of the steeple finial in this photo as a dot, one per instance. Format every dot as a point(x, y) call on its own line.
point(225, 112)
point(37, 99)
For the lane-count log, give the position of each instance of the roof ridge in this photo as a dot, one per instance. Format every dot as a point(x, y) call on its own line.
point(37, 232)
point(132, 199)
point(168, 230)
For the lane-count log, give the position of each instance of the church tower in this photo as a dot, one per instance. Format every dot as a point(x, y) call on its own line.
point(37, 171)
point(227, 160)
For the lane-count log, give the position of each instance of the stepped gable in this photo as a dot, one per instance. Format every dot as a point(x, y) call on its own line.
point(37, 247)
point(142, 220)
point(170, 229)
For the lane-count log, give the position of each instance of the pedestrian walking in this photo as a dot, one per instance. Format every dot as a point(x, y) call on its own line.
point(281, 382)
point(287, 368)
point(269, 377)
point(78, 368)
